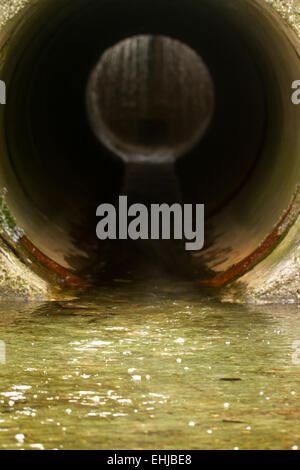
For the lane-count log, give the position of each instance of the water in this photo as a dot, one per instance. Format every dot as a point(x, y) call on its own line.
point(147, 367)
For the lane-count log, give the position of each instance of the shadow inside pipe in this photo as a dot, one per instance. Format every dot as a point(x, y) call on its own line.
point(62, 172)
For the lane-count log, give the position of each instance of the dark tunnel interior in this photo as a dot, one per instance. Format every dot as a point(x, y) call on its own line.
point(63, 171)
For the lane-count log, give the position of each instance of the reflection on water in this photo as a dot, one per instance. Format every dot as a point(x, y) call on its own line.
point(141, 367)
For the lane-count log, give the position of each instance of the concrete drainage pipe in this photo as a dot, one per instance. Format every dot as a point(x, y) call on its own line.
point(54, 171)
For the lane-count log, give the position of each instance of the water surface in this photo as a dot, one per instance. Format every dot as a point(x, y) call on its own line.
point(147, 367)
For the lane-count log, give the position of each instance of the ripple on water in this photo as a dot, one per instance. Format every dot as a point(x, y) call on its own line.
point(166, 371)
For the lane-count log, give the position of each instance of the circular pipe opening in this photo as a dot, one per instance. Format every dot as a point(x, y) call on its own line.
point(244, 168)
point(150, 98)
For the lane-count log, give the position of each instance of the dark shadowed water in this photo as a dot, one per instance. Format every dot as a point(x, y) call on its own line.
point(147, 367)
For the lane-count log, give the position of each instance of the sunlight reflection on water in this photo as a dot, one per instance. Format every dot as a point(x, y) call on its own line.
point(137, 368)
